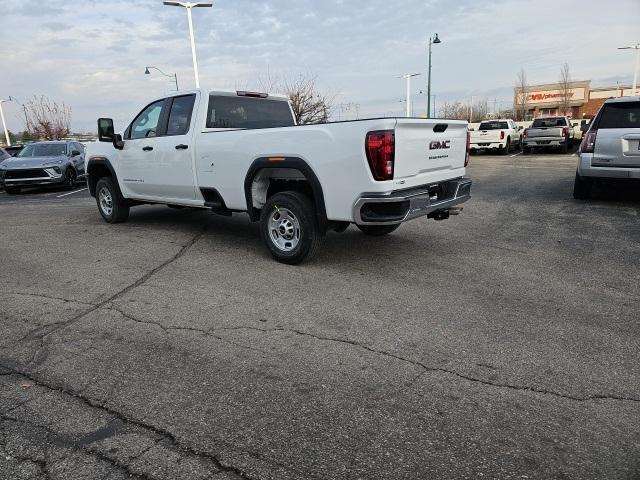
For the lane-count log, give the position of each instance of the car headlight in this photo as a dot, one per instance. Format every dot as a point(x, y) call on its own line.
point(53, 170)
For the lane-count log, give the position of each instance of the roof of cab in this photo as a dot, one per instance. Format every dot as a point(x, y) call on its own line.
point(623, 99)
point(226, 93)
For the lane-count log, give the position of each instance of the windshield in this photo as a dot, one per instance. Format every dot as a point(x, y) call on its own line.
point(3, 155)
point(493, 126)
point(549, 122)
point(247, 112)
point(43, 150)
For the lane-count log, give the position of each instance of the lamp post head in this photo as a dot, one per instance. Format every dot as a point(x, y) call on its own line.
point(146, 71)
point(436, 39)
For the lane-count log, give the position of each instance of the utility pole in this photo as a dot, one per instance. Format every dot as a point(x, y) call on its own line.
point(635, 47)
point(4, 124)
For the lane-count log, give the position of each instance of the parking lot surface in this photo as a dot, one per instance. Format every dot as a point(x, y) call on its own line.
point(502, 343)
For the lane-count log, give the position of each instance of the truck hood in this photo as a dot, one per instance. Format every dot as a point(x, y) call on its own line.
point(31, 162)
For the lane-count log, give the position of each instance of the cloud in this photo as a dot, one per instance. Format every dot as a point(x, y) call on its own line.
point(92, 53)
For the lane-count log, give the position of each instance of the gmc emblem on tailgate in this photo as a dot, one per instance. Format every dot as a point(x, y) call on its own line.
point(440, 145)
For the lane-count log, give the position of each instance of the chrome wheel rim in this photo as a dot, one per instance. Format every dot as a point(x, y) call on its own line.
point(106, 201)
point(71, 178)
point(284, 229)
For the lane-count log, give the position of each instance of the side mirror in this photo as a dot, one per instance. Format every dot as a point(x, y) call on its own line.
point(105, 130)
point(584, 127)
point(75, 153)
point(118, 142)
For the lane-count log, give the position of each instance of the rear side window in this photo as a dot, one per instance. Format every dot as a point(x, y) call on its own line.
point(247, 112)
point(180, 115)
point(620, 115)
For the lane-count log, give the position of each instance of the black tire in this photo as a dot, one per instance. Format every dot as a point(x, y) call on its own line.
point(378, 230)
point(70, 178)
point(526, 150)
point(119, 209)
point(582, 187)
point(289, 227)
point(507, 148)
point(565, 147)
point(12, 190)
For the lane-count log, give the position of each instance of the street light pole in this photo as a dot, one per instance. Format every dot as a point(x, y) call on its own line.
point(4, 125)
point(408, 78)
point(433, 40)
point(635, 47)
point(189, 6)
point(174, 76)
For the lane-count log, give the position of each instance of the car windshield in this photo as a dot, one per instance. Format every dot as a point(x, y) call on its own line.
point(43, 150)
point(549, 122)
point(493, 126)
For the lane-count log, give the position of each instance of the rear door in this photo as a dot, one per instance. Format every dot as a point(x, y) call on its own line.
point(428, 146)
point(171, 175)
point(618, 137)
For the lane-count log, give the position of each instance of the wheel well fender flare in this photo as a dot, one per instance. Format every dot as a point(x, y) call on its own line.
point(294, 163)
point(92, 164)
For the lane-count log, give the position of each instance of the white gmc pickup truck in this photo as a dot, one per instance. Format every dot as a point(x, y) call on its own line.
point(243, 152)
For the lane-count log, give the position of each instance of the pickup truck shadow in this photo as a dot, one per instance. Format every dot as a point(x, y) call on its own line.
point(617, 191)
point(239, 234)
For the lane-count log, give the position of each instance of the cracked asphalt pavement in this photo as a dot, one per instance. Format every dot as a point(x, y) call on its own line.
point(503, 343)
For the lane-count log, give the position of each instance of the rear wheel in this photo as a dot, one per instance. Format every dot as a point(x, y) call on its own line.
point(507, 147)
point(378, 230)
point(565, 147)
point(70, 178)
point(112, 205)
point(526, 150)
point(12, 190)
point(582, 187)
point(289, 228)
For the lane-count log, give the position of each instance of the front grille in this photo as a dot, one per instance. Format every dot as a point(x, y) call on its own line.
point(27, 173)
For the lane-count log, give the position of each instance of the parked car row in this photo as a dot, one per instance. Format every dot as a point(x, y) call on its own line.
point(58, 163)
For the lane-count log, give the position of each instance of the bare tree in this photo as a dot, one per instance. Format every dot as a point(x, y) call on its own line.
point(46, 119)
point(521, 96)
point(479, 110)
point(454, 111)
point(308, 103)
point(565, 90)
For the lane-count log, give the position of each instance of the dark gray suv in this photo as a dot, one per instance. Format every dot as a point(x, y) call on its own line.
point(43, 163)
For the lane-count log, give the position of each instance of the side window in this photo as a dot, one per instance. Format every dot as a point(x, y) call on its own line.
point(180, 115)
point(146, 123)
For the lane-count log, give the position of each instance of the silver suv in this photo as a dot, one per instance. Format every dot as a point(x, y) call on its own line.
point(611, 147)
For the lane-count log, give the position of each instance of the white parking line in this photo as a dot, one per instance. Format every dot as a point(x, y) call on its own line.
point(71, 193)
point(519, 153)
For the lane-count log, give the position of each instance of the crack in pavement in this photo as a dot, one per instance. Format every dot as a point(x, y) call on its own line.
point(167, 435)
point(427, 368)
point(62, 324)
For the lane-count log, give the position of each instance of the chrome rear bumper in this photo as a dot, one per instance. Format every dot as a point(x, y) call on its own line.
point(404, 205)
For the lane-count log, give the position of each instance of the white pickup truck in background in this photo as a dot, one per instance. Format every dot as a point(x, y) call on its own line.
point(502, 135)
point(549, 132)
point(242, 152)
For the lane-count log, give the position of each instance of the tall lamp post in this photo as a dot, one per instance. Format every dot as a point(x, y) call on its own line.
point(408, 78)
point(189, 6)
point(433, 40)
point(635, 47)
point(4, 124)
point(174, 76)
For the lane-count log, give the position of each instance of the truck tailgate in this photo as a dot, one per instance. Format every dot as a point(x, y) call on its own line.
point(544, 132)
point(429, 146)
point(485, 136)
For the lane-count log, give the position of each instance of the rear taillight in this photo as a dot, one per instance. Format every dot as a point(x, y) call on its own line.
point(565, 132)
point(380, 147)
point(502, 135)
point(589, 142)
point(466, 158)
point(524, 133)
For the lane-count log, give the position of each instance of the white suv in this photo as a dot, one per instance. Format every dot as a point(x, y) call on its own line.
point(611, 146)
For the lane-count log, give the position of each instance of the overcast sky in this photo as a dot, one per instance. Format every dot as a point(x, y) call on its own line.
point(91, 54)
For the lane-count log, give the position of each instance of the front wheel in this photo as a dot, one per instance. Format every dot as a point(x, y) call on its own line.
point(378, 230)
point(112, 205)
point(289, 228)
point(70, 179)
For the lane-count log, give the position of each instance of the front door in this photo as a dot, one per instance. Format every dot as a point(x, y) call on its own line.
point(138, 155)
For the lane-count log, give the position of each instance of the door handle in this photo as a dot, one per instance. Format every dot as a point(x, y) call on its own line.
point(147, 149)
point(182, 146)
